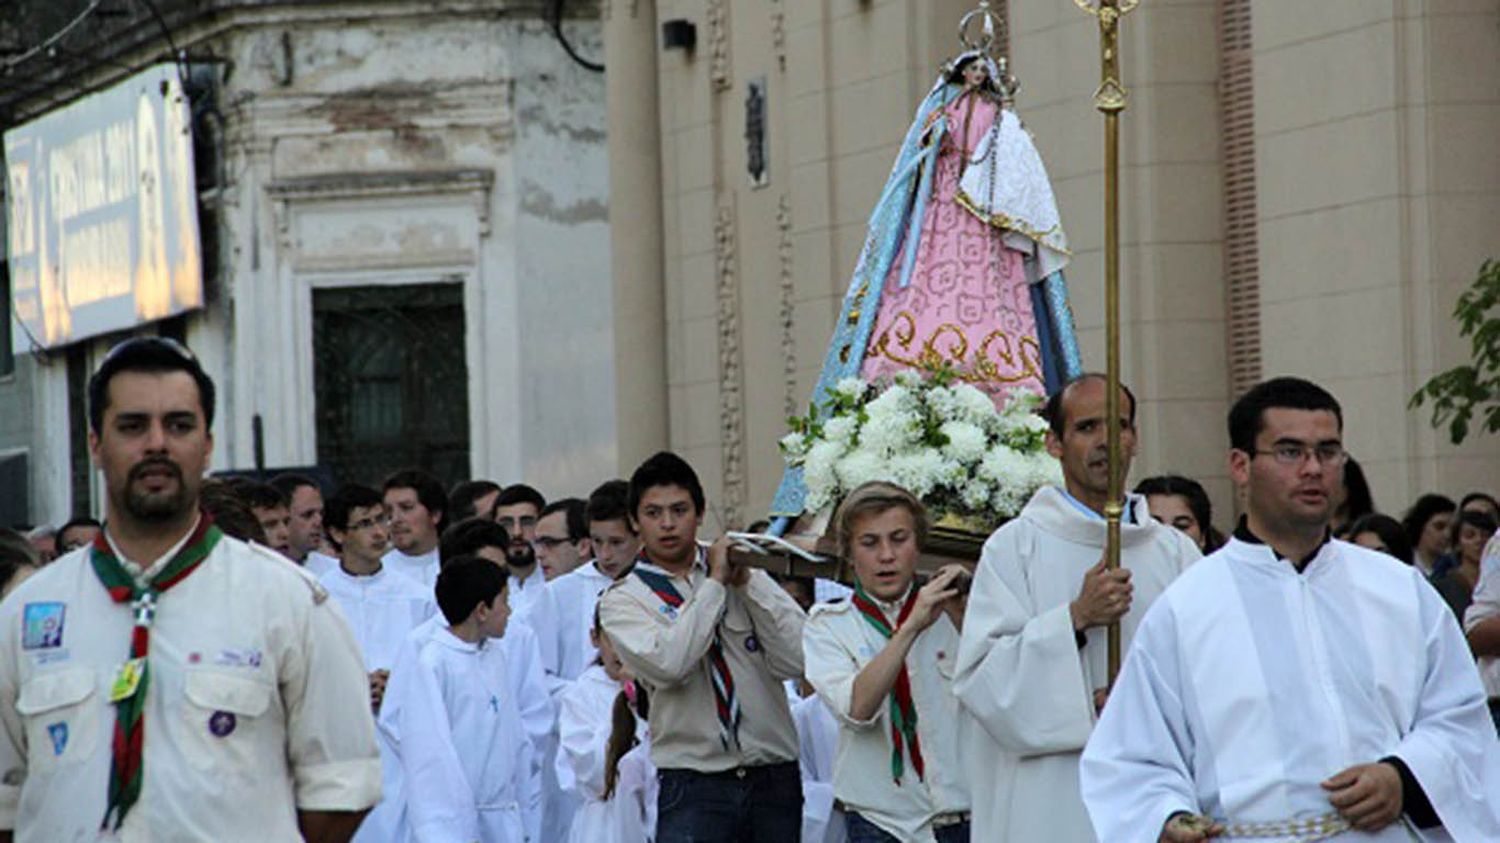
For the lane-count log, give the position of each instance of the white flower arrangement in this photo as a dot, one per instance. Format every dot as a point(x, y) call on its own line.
point(934, 434)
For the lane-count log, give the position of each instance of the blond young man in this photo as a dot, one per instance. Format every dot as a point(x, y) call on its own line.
point(883, 663)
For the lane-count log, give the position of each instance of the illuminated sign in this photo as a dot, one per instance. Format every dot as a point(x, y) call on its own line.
point(103, 213)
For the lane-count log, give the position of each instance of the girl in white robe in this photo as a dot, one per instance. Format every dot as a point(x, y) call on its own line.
point(467, 760)
point(604, 755)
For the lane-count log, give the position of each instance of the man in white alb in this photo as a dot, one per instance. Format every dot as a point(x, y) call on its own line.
point(1032, 666)
point(1291, 686)
point(382, 606)
point(416, 503)
point(577, 592)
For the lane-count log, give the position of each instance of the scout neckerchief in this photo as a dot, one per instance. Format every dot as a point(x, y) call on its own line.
point(725, 703)
point(903, 709)
point(126, 770)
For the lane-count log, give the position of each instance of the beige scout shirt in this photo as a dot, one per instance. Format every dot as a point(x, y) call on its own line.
point(761, 632)
point(258, 705)
point(838, 644)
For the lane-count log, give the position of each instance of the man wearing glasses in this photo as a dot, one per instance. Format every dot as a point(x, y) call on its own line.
point(1291, 686)
point(382, 605)
point(168, 679)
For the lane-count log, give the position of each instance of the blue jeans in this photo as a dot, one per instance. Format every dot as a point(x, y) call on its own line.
point(862, 830)
point(749, 805)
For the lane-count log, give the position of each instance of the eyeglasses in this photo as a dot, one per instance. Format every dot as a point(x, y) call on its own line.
point(1329, 454)
point(549, 542)
point(383, 521)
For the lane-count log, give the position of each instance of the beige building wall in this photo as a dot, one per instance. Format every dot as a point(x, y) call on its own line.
point(1377, 191)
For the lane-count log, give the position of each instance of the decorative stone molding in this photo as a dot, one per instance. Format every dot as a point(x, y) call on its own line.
point(718, 41)
point(731, 369)
point(791, 399)
point(778, 33)
point(284, 194)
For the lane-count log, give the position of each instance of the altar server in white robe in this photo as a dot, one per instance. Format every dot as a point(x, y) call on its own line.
point(604, 754)
point(576, 593)
point(465, 756)
point(1291, 685)
point(382, 605)
point(818, 739)
point(883, 663)
point(525, 673)
point(1032, 665)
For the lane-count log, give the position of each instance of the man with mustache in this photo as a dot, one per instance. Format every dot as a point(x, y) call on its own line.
point(1032, 670)
point(167, 677)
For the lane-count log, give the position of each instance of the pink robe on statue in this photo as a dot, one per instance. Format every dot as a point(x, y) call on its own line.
point(968, 304)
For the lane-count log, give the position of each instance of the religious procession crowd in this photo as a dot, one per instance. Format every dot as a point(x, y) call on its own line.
point(235, 660)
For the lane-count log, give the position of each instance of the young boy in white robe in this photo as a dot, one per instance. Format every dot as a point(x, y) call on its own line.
point(465, 755)
point(605, 754)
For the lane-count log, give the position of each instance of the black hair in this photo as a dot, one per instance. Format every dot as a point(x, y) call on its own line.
point(1247, 416)
point(462, 497)
point(1479, 496)
point(1056, 414)
point(610, 502)
point(429, 491)
point(15, 551)
point(1423, 510)
point(1358, 501)
point(154, 355)
point(575, 516)
point(466, 582)
point(342, 503)
point(1481, 520)
point(1186, 488)
point(664, 469)
point(1390, 531)
point(79, 521)
point(288, 484)
point(257, 495)
point(520, 493)
point(956, 75)
point(468, 537)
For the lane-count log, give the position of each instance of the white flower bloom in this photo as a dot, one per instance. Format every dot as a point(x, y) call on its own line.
point(972, 404)
point(966, 442)
point(891, 434)
point(817, 470)
point(840, 429)
point(860, 466)
point(850, 387)
point(908, 379)
point(894, 401)
point(794, 445)
point(976, 494)
point(919, 471)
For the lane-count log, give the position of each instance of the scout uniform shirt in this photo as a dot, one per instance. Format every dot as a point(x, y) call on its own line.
point(257, 704)
point(760, 631)
point(839, 643)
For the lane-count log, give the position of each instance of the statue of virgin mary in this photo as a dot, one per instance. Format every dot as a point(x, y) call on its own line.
point(962, 264)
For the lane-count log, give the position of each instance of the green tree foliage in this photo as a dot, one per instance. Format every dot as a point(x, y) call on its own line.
point(1459, 393)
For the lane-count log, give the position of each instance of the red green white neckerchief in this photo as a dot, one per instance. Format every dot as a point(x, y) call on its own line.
point(127, 768)
point(903, 708)
point(726, 704)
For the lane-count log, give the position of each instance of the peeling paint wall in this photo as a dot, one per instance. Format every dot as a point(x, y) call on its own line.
point(399, 146)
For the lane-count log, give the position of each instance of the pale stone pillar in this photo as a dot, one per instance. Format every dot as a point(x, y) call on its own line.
point(636, 243)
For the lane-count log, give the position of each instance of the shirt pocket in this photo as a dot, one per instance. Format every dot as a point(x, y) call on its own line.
point(62, 717)
point(225, 723)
